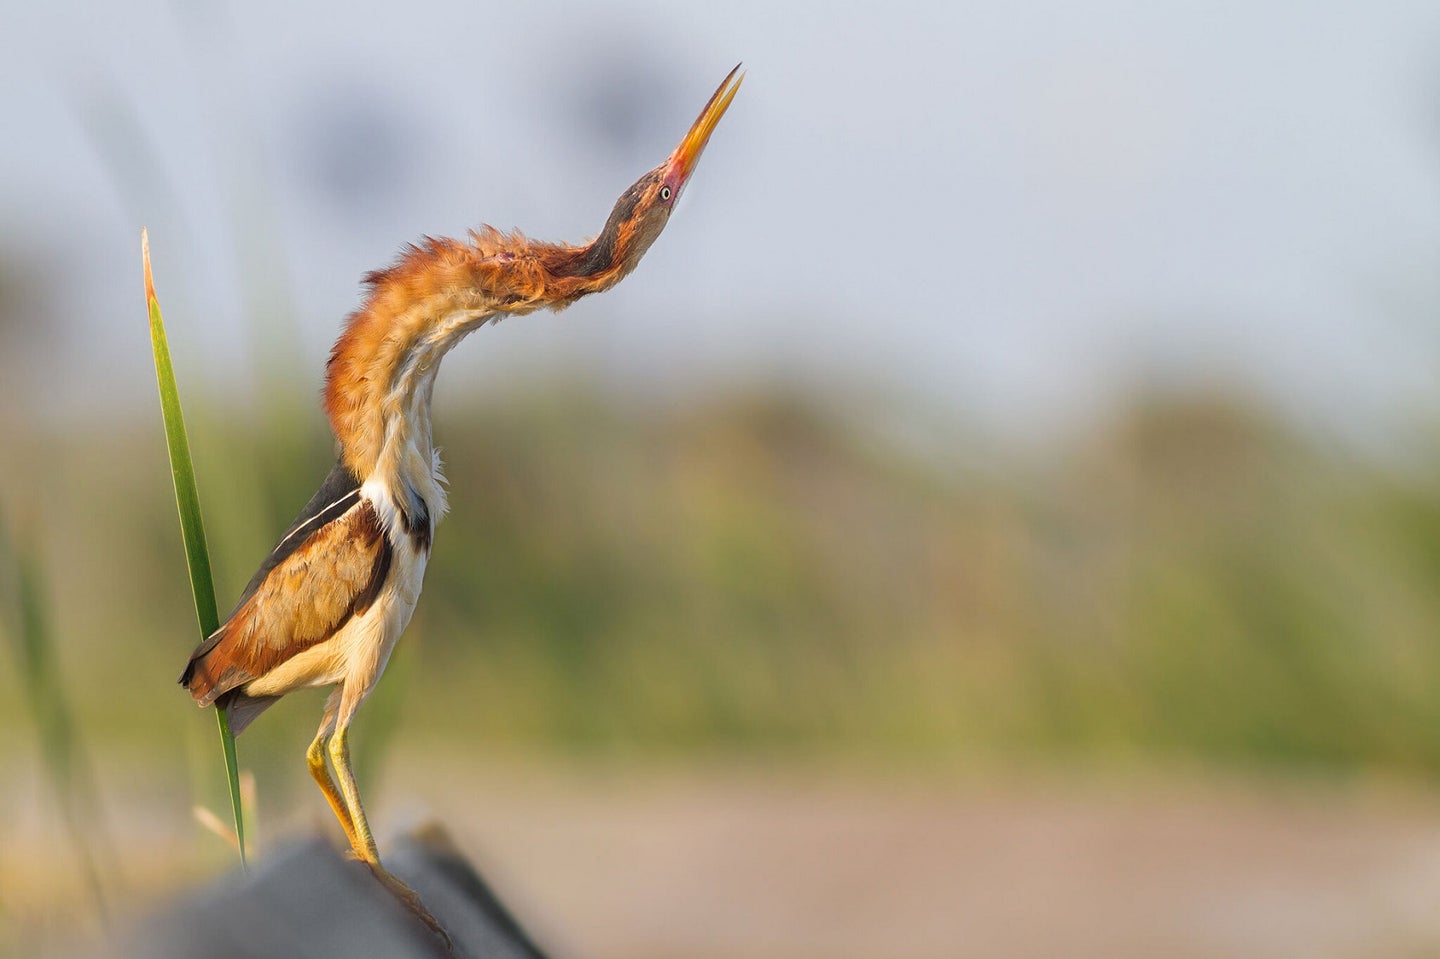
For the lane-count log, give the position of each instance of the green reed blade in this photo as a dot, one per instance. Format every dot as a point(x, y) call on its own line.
point(192, 526)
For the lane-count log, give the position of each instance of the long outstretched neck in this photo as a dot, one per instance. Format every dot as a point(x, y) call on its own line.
point(381, 372)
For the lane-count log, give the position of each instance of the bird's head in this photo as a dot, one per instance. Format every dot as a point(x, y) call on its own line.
point(443, 289)
point(643, 210)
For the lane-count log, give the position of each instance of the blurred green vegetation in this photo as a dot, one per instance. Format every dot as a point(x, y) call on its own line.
point(24, 628)
point(767, 576)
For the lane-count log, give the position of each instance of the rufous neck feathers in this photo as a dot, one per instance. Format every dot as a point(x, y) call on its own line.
point(381, 369)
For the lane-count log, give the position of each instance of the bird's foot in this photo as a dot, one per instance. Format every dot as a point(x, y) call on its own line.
point(410, 899)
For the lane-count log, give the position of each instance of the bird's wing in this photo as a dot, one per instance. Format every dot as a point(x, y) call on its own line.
point(315, 582)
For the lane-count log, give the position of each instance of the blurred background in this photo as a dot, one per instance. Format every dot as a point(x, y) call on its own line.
point(1001, 516)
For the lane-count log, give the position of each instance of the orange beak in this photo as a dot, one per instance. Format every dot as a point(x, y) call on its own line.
point(682, 162)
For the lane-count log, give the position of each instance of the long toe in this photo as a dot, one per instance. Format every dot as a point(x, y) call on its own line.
point(411, 901)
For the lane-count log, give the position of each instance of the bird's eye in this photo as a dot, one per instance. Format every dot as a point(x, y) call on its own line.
point(664, 193)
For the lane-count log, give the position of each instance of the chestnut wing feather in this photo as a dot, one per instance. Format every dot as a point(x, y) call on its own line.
point(335, 573)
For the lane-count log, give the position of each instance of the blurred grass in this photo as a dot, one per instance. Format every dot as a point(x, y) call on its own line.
point(761, 577)
point(35, 655)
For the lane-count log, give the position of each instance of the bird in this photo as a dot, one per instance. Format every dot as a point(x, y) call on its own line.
point(330, 601)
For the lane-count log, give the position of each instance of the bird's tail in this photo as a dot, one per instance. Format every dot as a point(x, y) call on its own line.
point(208, 689)
point(243, 709)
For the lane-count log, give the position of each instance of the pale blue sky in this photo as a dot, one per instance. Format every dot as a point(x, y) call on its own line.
point(1017, 212)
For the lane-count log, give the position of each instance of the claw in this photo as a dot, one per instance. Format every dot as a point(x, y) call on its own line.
point(411, 901)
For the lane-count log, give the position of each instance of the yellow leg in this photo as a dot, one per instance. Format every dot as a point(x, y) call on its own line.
point(320, 772)
point(362, 841)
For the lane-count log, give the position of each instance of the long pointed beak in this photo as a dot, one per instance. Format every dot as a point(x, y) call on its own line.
point(682, 162)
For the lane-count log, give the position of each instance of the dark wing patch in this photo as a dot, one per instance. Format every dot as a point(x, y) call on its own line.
point(339, 492)
point(415, 518)
point(334, 573)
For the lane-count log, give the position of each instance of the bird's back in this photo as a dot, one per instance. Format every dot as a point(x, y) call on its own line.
point(328, 567)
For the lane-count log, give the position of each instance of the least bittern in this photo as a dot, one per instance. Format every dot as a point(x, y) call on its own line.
point(332, 598)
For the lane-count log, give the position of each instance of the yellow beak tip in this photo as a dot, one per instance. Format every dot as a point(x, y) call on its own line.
point(687, 154)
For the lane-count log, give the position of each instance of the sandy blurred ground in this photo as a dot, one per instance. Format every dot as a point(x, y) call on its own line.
point(719, 862)
point(756, 866)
